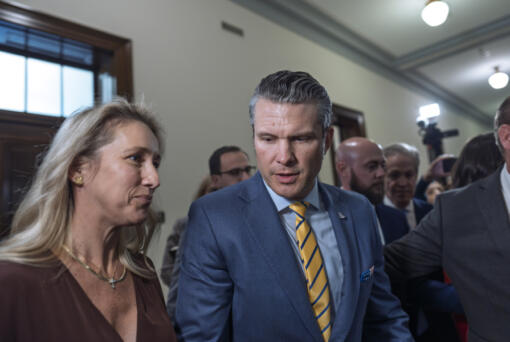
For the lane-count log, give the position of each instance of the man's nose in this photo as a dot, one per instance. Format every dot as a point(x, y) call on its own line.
point(380, 172)
point(285, 153)
point(402, 180)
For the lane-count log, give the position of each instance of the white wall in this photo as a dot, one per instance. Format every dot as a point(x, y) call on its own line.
point(199, 79)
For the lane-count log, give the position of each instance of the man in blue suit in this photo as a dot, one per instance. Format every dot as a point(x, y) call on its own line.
point(282, 257)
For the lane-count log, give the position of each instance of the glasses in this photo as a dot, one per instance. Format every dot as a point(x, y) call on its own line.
point(238, 170)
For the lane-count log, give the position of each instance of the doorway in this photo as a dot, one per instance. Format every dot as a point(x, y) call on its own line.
point(347, 123)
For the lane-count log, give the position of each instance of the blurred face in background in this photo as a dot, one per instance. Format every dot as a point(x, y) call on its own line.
point(235, 167)
point(400, 181)
point(434, 189)
point(361, 167)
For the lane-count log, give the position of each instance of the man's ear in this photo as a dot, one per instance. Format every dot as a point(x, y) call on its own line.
point(343, 171)
point(328, 139)
point(504, 136)
point(214, 181)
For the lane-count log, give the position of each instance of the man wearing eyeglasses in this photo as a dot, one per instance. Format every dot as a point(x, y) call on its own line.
point(229, 165)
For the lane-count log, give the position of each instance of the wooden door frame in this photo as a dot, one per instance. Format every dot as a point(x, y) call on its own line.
point(351, 123)
point(120, 47)
point(35, 129)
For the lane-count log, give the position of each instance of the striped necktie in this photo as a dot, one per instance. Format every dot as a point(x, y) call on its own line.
point(315, 273)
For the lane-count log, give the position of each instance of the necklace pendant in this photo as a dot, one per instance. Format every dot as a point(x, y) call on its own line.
point(112, 283)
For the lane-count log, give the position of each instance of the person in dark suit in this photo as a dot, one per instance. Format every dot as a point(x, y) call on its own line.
point(402, 162)
point(393, 222)
point(281, 256)
point(468, 234)
point(360, 165)
point(227, 165)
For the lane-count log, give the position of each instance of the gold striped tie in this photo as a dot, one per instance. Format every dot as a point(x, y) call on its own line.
point(316, 279)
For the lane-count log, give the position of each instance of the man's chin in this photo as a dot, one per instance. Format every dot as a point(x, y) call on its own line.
point(289, 191)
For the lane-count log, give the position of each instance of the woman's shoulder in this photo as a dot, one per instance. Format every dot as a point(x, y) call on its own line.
point(18, 275)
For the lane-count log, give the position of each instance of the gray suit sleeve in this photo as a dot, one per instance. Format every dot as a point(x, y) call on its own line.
point(171, 301)
point(170, 253)
point(420, 252)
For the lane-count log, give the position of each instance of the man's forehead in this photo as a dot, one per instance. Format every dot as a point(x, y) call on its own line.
point(401, 166)
point(235, 157)
point(275, 111)
point(374, 158)
point(371, 153)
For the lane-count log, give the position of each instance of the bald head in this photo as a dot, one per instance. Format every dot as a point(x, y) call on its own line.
point(360, 167)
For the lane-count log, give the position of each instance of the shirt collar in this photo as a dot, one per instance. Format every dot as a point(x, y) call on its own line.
point(505, 183)
point(282, 203)
point(389, 203)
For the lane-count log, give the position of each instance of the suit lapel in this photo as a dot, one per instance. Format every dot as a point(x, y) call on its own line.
point(264, 224)
point(493, 207)
point(341, 218)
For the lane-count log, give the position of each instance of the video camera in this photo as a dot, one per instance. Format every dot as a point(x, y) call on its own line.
point(433, 137)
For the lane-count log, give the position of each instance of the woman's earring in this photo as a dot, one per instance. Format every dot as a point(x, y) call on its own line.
point(78, 180)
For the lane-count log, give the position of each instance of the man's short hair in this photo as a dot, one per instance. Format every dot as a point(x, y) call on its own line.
point(215, 158)
point(295, 88)
point(502, 118)
point(405, 150)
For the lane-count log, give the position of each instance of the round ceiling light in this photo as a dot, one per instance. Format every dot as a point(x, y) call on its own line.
point(498, 80)
point(435, 12)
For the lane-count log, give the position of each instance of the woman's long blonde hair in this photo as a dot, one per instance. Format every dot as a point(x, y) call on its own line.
point(41, 224)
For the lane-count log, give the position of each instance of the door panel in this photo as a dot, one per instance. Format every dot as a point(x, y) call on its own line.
point(21, 148)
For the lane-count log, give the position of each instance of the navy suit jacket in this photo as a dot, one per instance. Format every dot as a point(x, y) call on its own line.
point(240, 280)
point(421, 209)
point(393, 222)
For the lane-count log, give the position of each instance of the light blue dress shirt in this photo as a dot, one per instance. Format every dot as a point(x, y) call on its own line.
point(319, 221)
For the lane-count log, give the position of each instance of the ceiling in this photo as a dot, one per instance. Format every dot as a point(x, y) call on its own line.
point(450, 63)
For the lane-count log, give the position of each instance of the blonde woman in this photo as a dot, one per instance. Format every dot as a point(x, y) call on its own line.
point(74, 266)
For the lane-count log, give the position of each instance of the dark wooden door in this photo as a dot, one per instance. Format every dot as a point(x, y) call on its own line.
point(21, 149)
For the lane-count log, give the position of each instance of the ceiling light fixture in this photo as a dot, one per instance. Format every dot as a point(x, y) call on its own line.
point(498, 79)
point(435, 12)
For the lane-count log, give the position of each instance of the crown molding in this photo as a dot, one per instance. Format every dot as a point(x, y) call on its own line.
point(307, 21)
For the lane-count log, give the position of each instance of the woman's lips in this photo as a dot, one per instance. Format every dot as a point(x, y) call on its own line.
point(146, 200)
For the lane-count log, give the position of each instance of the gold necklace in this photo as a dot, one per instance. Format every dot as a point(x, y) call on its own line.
point(111, 280)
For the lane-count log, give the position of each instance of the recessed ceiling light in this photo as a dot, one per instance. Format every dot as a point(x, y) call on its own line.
point(435, 12)
point(498, 80)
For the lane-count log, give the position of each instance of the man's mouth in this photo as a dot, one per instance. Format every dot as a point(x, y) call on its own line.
point(286, 177)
